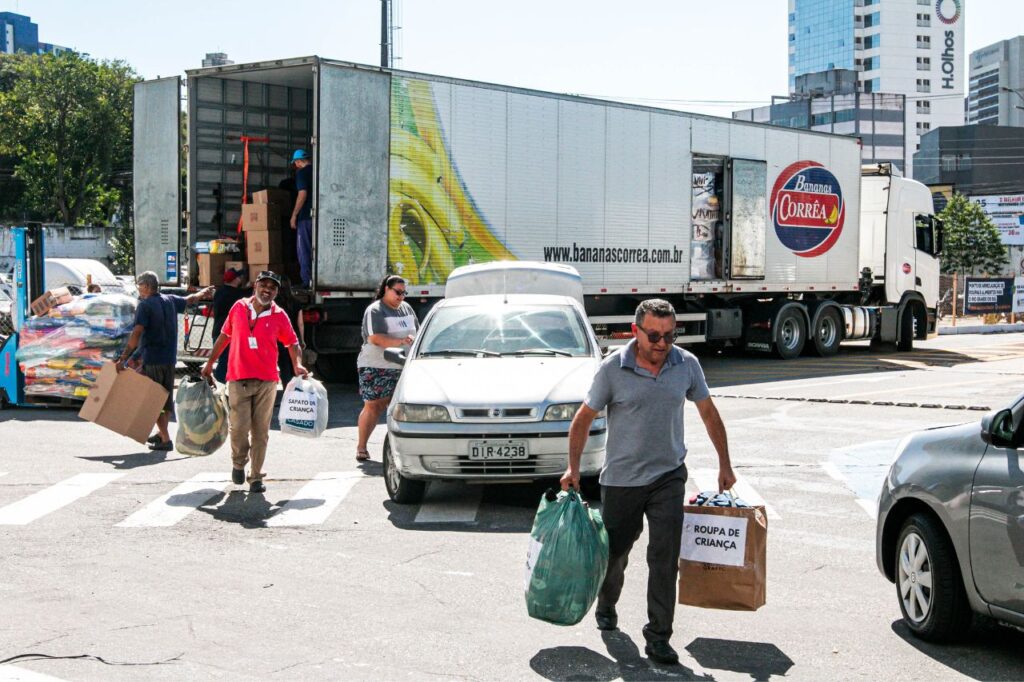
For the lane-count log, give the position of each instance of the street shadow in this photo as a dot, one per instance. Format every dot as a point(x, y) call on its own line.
point(134, 460)
point(248, 510)
point(502, 508)
point(580, 664)
point(729, 369)
point(371, 468)
point(54, 413)
point(988, 651)
point(760, 660)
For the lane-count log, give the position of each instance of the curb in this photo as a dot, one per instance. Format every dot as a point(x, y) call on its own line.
point(840, 401)
point(982, 329)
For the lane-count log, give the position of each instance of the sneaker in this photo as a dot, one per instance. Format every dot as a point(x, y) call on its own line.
point(257, 487)
point(607, 619)
point(154, 439)
point(238, 476)
point(661, 652)
point(165, 446)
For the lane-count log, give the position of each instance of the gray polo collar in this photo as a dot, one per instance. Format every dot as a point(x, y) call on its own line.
point(627, 357)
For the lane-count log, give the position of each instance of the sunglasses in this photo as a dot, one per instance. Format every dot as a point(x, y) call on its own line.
point(400, 292)
point(654, 337)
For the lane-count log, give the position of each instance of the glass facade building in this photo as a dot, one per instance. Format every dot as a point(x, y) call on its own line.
point(18, 33)
point(820, 37)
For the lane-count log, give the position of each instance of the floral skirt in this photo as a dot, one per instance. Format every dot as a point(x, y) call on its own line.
point(376, 383)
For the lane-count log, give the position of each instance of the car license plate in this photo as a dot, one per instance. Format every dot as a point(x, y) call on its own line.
point(497, 449)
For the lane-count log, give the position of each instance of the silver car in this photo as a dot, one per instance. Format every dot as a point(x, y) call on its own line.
point(487, 393)
point(950, 530)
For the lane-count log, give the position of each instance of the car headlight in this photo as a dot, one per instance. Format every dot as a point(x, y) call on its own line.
point(420, 413)
point(562, 412)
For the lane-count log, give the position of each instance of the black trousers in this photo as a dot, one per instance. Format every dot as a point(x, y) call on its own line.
point(623, 510)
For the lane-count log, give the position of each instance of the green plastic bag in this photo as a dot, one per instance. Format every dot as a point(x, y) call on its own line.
point(566, 560)
point(202, 409)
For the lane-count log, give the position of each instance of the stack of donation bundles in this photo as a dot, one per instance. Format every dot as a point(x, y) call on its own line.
point(61, 353)
point(566, 560)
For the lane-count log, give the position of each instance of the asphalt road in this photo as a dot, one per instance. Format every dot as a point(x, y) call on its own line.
point(121, 564)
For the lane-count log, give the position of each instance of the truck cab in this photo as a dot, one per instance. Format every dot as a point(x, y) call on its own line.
point(900, 244)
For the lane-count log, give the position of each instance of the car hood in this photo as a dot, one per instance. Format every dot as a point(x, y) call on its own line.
point(472, 382)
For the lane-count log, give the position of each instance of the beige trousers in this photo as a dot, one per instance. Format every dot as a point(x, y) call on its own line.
point(252, 408)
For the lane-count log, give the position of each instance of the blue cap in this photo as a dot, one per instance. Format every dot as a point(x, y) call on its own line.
point(300, 155)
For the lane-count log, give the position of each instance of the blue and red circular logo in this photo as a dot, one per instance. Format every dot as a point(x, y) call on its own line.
point(807, 208)
point(942, 17)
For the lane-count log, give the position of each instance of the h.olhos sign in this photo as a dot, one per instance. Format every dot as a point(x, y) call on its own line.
point(948, 12)
point(807, 208)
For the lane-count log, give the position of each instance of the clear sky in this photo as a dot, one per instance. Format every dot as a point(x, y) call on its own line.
point(711, 57)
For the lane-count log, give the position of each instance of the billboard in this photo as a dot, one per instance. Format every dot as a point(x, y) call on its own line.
point(988, 295)
point(1006, 211)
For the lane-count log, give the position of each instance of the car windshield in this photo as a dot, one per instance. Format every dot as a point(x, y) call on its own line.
point(553, 330)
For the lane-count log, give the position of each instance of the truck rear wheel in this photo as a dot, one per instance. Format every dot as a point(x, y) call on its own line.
point(827, 333)
point(337, 368)
point(790, 334)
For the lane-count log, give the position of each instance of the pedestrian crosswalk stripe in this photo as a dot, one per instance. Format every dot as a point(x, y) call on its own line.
point(449, 503)
point(10, 673)
point(707, 479)
point(316, 500)
point(51, 499)
point(171, 508)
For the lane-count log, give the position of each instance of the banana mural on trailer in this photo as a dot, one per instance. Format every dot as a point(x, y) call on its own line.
point(433, 224)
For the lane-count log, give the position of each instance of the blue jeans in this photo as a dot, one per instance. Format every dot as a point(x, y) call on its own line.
point(305, 246)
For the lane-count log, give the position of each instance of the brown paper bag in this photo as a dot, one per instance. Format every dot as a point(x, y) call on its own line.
point(723, 558)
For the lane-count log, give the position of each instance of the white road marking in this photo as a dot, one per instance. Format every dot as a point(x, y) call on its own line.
point(707, 479)
point(10, 673)
point(870, 506)
point(53, 498)
point(449, 503)
point(316, 500)
point(171, 508)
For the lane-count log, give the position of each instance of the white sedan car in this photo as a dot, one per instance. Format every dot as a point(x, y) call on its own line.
point(488, 391)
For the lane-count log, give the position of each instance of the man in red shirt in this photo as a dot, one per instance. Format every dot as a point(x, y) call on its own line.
point(253, 328)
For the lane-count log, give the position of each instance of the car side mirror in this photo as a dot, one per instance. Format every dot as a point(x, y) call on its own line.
point(997, 429)
point(395, 355)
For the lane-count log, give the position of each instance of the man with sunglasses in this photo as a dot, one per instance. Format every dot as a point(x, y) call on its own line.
point(644, 387)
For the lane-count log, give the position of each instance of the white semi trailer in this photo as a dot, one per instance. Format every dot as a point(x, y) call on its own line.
point(770, 239)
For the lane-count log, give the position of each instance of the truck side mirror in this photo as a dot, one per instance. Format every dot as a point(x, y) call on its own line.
point(395, 355)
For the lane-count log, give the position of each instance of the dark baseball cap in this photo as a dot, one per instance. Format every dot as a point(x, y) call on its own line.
point(272, 276)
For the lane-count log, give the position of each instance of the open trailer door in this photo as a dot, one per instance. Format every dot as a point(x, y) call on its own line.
point(157, 178)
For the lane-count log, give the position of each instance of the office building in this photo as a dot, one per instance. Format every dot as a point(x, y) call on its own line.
point(18, 33)
point(996, 87)
point(216, 59)
point(831, 102)
point(913, 48)
point(973, 159)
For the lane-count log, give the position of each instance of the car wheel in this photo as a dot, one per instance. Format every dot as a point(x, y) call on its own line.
point(828, 332)
point(590, 486)
point(929, 585)
point(400, 489)
point(791, 334)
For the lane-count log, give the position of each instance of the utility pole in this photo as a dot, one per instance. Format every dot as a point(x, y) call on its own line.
point(385, 56)
point(389, 49)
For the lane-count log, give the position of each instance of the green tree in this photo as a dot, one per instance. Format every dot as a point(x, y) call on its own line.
point(972, 244)
point(67, 120)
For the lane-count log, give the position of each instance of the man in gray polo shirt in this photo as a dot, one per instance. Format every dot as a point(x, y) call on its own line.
point(644, 387)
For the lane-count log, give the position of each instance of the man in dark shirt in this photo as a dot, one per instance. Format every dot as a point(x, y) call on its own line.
point(302, 220)
point(156, 328)
point(233, 289)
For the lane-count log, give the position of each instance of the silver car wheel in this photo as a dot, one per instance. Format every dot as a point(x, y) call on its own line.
point(914, 576)
point(391, 471)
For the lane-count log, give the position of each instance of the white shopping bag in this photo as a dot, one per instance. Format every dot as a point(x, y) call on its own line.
point(303, 408)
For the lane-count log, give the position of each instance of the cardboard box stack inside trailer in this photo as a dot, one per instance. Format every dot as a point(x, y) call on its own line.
point(265, 223)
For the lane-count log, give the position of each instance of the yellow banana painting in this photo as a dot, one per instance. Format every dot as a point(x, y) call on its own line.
point(433, 224)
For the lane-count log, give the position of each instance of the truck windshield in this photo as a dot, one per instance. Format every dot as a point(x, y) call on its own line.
point(506, 330)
